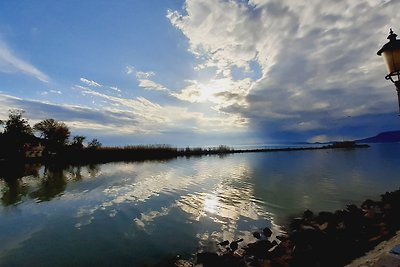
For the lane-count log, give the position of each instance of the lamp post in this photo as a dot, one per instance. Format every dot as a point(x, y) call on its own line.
point(391, 55)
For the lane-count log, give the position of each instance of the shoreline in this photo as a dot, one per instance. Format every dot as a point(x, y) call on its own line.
point(377, 254)
point(352, 237)
point(144, 153)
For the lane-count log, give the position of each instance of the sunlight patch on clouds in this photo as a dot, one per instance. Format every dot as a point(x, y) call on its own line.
point(141, 113)
point(319, 138)
point(223, 91)
point(305, 126)
point(10, 63)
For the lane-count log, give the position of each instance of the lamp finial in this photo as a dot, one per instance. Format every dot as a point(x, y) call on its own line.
point(392, 36)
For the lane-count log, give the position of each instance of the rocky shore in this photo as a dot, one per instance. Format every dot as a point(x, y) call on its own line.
point(327, 239)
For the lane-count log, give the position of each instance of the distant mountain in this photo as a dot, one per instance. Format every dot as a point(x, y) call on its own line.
point(385, 137)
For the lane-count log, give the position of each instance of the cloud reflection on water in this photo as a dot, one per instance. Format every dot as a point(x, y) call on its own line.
point(188, 204)
point(217, 191)
point(213, 192)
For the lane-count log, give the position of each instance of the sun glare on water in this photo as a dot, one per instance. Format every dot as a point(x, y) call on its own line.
point(211, 204)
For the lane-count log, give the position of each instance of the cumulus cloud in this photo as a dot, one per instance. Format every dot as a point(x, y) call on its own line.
point(11, 63)
point(317, 60)
point(221, 92)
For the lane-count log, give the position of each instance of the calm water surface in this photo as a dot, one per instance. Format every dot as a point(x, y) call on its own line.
point(131, 214)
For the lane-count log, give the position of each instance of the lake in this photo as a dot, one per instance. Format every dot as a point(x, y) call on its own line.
point(132, 214)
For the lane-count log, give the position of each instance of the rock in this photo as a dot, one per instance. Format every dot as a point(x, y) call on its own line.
point(308, 215)
point(235, 244)
point(328, 239)
point(324, 217)
point(296, 223)
point(367, 204)
point(208, 259)
point(257, 235)
point(323, 226)
point(267, 232)
point(183, 263)
point(224, 243)
point(282, 237)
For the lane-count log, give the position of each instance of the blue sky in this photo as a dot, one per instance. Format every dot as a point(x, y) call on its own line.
point(200, 72)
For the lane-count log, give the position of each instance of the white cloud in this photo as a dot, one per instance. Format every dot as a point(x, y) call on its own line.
point(145, 75)
point(151, 85)
point(140, 115)
point(10, 63)
point(144, 79)
point(220, 91)
point(90, 82)
point(139, 74)
point(114, 88)
point(51, 92)
point(130, 69)
point(317, 59)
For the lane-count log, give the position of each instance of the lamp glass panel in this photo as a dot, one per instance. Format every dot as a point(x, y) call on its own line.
point(392, 60)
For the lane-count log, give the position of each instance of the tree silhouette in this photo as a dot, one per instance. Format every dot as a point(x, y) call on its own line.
point(54, 132)
point(94, 143)
point(16, 125)
point(17, 133)
point(77, 141)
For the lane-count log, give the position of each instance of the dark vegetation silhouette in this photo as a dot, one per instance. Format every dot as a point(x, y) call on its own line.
point(18, 142)
point(53, 144)
point(17, 133)
point(54, 135)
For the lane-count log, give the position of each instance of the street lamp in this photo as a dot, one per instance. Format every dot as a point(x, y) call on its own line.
point(391, 56)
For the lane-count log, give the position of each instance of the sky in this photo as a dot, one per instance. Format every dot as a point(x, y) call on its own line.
point(200, 72)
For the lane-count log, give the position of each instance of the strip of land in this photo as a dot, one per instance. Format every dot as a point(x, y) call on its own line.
point(80, 155)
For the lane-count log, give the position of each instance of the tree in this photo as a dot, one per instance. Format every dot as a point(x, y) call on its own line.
point(77, 141)
point(94, 144)
point(54, 132)
point(16, 125)
point(17, 133)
